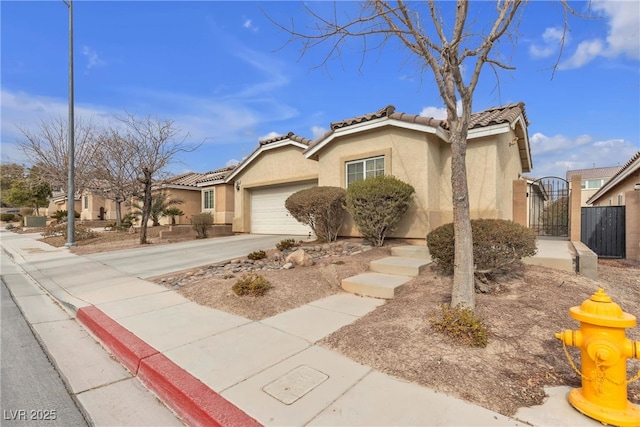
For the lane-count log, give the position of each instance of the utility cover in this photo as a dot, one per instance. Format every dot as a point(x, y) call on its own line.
point(295, 384)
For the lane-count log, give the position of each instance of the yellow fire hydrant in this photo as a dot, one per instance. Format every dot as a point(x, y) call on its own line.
point(604, 349)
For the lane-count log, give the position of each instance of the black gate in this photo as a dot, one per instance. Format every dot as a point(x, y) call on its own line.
point(603, 230)
point(549, 207)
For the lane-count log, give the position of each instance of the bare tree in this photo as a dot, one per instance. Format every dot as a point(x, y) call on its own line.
point(155, 145)
point(46, 147)
point(446, 46)
point(115, 174)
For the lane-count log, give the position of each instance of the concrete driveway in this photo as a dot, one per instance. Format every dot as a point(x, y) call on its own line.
point(152, 261)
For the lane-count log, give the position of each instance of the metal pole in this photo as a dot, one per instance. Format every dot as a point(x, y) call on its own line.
point(71, 218)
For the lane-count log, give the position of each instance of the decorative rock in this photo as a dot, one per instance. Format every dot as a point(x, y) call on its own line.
point(300, 257)
point(287, 266)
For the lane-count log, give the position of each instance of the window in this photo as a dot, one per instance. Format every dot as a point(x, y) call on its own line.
point(592, 184)
point(208, 199)
point(362, 169)
point(86, 202)
point(620, 200)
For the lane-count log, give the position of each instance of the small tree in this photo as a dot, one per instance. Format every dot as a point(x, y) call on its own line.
point(32, 191)
point(160, 203)
point(321, 208)
point(201, 223)
point(172, 213)
point(377, 205)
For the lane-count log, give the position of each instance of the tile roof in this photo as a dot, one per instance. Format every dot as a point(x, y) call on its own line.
point(188, 179)
point(388, 111)
point(217, 174)
point(292, 136)
point(594, 173)
point(497, 115)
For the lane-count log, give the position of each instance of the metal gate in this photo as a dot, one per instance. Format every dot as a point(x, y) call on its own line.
point(603, 230)
point(549, 207)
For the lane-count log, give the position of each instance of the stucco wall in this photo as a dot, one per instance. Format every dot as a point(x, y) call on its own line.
point(275, 166)
point(402, 150)
point(610, 198)
point(92, 212)
point(190, 207)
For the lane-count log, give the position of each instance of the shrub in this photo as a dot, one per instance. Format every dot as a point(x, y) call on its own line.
point(7, 217)
point(498, 245)
point(252, 284)
point(377, 205)
point(26, 211)
point(80, 232)
point(285, 244)
point(321, 208)
point(9, 227)
point(201, 223)
point(460, 324)
point(62, 215)
point(257, 255)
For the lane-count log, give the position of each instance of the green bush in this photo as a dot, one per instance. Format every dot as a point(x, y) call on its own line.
point(321, 208)
point(285, 244)
point(252, 284)
point(498, 245)
point(62, 215)
point(7, 217)
point(201, 223)
point(257, 255)
point(377, 205)
point(460, 324)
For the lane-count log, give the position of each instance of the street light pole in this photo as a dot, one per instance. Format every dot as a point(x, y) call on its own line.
point(71, 217)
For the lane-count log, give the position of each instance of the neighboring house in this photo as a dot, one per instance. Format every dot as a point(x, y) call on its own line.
point(95, 207)
point(612, 192)
point(623, 189)
point(182, 187)
point(217, 196)
point(592, 180)
point(414, 149)
point(58, 202)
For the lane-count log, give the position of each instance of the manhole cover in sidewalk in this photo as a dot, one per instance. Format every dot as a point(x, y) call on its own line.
point(295, 384)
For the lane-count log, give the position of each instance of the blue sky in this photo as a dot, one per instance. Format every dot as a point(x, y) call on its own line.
point(225, 75)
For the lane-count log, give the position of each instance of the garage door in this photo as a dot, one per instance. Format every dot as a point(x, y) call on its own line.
point(268, 214)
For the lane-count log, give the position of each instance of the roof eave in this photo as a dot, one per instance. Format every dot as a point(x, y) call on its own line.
point(614, 181)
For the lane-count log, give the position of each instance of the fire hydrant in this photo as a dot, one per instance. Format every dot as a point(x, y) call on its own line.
point(604, 349)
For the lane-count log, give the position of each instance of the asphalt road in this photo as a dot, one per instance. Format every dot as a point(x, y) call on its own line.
point(32, 392)
point(153, 261)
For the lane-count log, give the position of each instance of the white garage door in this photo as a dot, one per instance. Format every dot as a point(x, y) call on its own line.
point(268, 214)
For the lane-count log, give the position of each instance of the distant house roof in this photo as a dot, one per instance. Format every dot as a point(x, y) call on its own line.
point(269, 144)
point(624, 171)
point(215, 176)
point(508, 114)
point(188, 179)
point(594, 173)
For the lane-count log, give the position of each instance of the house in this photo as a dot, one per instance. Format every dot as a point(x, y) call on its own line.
point(217, 196)
point(181, 187)
point(58, 202)
point(413, 148)
point(623, 189)
point(592, 180)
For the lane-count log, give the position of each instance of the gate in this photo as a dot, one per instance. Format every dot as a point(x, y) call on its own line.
point(549, 207)
point(603, 230)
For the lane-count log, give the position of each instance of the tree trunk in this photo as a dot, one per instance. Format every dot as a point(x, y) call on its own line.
point(118, 213)
point(463, 291)
point(146, 206)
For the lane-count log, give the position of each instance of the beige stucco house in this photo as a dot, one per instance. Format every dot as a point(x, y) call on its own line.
point(415, 149)
point(217, 196)
point(592, 180)
point(182, 187)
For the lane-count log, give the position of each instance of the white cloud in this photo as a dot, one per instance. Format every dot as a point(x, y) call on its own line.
point(248, 24)
point(93, 59)
point(623, 38)
point(439, 112)
point(551, 37)
point(268, 136)
point(232, 162)
point(317, 131)
point(554, 155)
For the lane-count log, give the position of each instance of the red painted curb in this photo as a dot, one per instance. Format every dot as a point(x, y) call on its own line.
point(127, 347)
point(192, 400)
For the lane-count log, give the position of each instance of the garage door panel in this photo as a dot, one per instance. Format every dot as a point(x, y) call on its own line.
point(269, 215)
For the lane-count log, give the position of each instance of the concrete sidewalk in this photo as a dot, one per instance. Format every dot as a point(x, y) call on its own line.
point(212, 367)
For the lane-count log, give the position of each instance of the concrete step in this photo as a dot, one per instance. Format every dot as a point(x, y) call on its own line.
point(375, 285)
point(411, 251)
point(402, 266)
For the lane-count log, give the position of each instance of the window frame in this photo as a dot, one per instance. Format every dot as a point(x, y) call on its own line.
point(363, 162)
point(205, 199)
